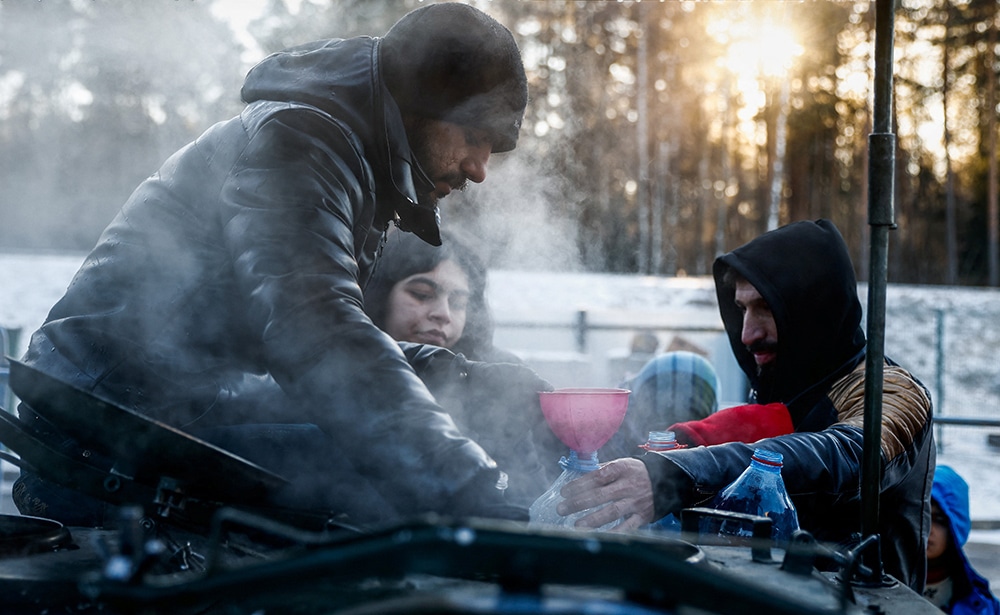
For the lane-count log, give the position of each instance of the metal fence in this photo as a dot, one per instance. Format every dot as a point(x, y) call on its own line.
point(951, 335)
point(962, 372)
point(9, 339)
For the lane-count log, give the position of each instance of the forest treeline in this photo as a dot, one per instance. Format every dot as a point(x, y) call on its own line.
point(658, 134)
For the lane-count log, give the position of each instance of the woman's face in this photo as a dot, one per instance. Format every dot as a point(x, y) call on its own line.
point(429, 307)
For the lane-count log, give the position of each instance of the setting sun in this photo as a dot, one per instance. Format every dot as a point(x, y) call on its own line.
point(763, 48)
point(757, 47)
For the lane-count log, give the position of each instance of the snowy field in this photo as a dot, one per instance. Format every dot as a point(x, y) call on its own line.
point(948, 337)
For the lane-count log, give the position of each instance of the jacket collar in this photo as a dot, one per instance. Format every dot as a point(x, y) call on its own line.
point(342, 77)
point(404, 172)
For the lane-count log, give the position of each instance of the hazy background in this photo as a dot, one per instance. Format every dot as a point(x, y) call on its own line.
point(658, 134)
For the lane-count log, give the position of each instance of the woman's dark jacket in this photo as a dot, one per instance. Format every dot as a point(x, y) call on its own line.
point(804, 273)
point(246, 253)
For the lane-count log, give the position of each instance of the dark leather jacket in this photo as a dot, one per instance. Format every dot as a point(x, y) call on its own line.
point(804, 273)
point(246, 253)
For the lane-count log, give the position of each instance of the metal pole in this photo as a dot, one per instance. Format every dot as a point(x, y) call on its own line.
point(881, 175)
point(939, 374)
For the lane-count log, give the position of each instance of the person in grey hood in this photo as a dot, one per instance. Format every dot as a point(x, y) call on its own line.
point(244, 258)
point(789, 303)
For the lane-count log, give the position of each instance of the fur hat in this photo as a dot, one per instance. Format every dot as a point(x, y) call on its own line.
point(452, 62)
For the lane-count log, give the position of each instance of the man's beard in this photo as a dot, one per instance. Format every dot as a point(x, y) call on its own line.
point(427, 200)
point(420, 144)
point(423, 183)
point(430, 198)
point(767, 376)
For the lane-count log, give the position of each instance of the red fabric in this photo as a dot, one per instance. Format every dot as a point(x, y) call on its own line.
point(747, 423)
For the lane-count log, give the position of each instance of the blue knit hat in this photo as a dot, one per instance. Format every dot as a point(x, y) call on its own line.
point(674, 387)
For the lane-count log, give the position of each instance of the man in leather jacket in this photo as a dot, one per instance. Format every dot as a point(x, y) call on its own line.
point(244, 258)
point(788, 300)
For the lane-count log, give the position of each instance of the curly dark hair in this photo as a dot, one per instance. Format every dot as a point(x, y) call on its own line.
point(405, 254)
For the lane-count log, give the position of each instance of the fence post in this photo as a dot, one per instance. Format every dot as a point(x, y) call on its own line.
point(939, 371)
point(581, 331)
point(9, 339)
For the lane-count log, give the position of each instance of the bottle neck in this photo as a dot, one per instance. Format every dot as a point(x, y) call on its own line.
point(767, 461)
point(576, 463)
point(661, 441)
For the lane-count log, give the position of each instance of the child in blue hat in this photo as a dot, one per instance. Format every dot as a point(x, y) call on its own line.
point(953, 585)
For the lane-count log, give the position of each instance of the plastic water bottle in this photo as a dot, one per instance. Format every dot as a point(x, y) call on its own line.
point(543, 510)
point(660, 442)
point(759, 491)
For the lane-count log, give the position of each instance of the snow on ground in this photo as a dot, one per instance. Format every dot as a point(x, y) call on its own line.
point(948, 337)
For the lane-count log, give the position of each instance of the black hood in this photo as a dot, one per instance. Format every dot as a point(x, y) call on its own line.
point(455, 63)
point(804, 272)
point(342, 77)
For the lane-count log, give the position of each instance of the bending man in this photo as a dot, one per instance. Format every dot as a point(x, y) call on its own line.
point(245, 255)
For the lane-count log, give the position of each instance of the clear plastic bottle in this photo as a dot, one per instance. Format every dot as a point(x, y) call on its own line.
point(543, 510)
point(759, 491)
point(659, 442)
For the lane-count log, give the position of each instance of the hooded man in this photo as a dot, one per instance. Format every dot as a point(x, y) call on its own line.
point(789, 303)
point(244, 257)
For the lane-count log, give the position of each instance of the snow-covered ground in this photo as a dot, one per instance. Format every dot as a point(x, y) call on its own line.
point(948, 337)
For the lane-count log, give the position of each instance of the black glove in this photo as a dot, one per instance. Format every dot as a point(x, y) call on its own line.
point(502, 399)
point(499, 398)
point(496, 404)
point(434, 365)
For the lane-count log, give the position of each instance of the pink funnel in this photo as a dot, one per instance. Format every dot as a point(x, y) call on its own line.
point(584, 419)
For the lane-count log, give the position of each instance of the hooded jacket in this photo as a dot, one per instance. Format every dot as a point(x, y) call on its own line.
point(804, 273)
point(246, 253)
point(970, 590)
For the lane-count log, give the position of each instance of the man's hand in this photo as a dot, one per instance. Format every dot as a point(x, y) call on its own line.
point(622, 484)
